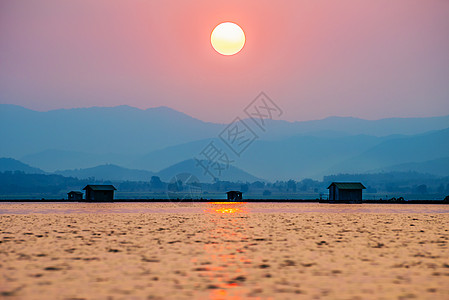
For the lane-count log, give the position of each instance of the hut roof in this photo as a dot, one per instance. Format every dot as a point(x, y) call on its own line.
point(231, 192)
point(75, 192)
point(98, 187)
point(348, 185)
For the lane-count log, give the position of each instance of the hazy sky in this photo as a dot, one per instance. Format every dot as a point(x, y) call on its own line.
point(315, 58)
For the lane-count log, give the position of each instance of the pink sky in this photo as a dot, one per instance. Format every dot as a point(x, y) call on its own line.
point(315, 58)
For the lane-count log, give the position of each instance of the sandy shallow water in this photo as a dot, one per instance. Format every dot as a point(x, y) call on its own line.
point(223, 251)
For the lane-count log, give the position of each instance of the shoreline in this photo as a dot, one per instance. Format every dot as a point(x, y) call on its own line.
point(224, 200)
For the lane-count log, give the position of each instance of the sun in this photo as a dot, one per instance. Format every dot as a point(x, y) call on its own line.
point(227, 38)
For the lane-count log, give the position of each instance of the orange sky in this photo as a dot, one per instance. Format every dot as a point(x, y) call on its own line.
point(316, 58)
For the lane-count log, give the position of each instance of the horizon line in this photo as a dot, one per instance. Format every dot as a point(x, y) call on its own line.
point(178, 111)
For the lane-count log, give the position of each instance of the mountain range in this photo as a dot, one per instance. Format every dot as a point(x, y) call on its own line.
point(140, 143)
point(116, 173)
point(10, 164)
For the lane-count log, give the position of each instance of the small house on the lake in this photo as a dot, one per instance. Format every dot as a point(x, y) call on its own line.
point(347, 192)
point(74, 196)
point(234, 196)
point(100, 193)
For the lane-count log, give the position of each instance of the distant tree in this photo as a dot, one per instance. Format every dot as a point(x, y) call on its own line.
point(278, 185)
point(244, 188)
point(266, 193)
point(291, 185)
point(258, 184)
point(307, 183)
point(156, 182)
point(176, 186)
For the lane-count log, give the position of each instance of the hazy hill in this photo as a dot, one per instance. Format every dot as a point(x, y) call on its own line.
point(129, 130)
point(121, 130)
point(10, 164)
point(52, 159)
point(439, 166)
point(312, 156)
point(157, 138)
point(161, 159)
point(301, 156)
point(108, 172)
point(413, 149)
point(117, 173)
point(335, 126)
point(294, 157)
point(190, 166)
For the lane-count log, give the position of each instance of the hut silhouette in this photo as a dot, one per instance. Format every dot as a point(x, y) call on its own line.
point(100, 193)
point(74, 196)
point(234, 195)
point(346, 192)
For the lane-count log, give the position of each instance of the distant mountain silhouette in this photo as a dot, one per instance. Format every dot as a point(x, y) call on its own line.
point(129, 130)
point(158, 138)
point(98, 130)
point(294, 157)
point(310, 156)
point(10, 164)
point(108, 172)
point(161, 159)
point(404, 150)
point(53, 159)
point(439, 167)
point(190, 166)
point(117, 173)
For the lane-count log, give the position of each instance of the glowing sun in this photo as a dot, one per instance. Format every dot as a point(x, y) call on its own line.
point(227, 38)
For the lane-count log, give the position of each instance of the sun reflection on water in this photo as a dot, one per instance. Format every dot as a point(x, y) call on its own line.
point(226, 207)
point(226, 252)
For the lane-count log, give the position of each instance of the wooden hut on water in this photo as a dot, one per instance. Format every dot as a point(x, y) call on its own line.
point(74, 196)
point(100, 193)
point(346, 192)
point(234, 196)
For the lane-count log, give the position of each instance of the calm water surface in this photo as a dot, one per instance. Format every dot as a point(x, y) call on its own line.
point(217, 207)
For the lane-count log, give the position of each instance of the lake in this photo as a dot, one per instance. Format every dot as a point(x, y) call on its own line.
point(223, 251)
